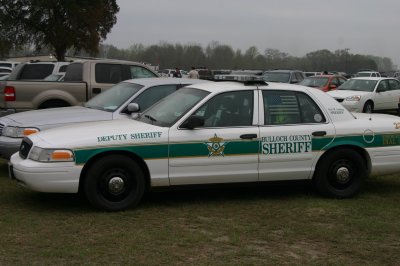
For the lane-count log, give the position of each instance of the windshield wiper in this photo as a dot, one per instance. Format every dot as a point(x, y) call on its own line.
point(152, 119)
point(96, 107)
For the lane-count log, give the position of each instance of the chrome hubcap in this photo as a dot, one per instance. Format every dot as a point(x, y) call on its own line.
point(116, 185)
point(343, 175)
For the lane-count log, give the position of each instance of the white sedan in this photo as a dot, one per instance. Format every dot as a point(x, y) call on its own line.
point(224, 132)
point(367, 94)
point(114, 103)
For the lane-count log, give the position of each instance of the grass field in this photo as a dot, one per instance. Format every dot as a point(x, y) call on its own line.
point(269, 225)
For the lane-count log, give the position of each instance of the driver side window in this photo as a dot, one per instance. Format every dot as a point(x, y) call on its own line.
point(383, 86)
point(228, 110)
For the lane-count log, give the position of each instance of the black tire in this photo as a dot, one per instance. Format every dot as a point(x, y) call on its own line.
point(340, 174)
point(53, 104)
point(127, 177)
point(368, 107)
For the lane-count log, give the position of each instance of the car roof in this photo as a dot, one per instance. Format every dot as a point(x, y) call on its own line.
point(222, 86)
point(372, 78)
point(282, 70)
point(326, 76)
point(164, 81)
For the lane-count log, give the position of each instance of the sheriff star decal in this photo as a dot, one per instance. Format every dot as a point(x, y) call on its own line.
point(215, 146)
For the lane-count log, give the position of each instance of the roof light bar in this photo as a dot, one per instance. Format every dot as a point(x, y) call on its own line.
point(247, 79)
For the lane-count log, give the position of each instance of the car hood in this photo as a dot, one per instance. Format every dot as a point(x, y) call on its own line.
point(346, 93)
point(54, 117)
point(100, 134)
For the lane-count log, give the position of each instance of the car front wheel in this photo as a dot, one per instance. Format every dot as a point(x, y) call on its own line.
point(114, 183)
point(368, 107)
point(340, 174)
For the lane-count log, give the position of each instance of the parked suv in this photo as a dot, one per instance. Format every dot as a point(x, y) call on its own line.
point(283, 76)
point(9, 64)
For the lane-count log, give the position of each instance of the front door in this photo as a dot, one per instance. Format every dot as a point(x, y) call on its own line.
point(224, 150)
point(384, 98)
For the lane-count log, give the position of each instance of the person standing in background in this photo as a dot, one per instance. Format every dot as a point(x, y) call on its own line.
point(193, 74)
point(177, 73)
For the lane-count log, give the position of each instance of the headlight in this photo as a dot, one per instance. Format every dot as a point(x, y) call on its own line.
point(19, 132)
point(355, 98)
point(51, 155)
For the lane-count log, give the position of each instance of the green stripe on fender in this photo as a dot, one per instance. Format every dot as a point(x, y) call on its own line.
point(144, 151)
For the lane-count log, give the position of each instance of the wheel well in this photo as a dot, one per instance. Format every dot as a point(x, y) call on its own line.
point(361, 151)
point(369, 101)
point(53, 103)
point(133, 156)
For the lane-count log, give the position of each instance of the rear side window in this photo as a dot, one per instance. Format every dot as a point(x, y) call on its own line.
point(108, 73)
point(74, 73)
point(394, 84)
point(63, 68)
point(36, 71)
point(287, 107)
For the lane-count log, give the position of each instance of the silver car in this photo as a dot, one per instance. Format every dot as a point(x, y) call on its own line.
point(109, 105)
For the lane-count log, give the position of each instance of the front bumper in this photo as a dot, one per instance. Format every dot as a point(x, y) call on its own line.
point(46, 177)
point(9, 146)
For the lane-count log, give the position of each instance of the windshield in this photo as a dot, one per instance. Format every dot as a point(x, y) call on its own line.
point(276, 77)
point(114, 97)
point(358, 85)
point(169, 110)
point(315, 82)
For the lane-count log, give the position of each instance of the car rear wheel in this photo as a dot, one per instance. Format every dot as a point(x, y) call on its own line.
point(114, 183)
point(340, 174)
point(368, 107)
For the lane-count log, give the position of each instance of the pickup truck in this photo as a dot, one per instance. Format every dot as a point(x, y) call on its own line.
point(82, 81)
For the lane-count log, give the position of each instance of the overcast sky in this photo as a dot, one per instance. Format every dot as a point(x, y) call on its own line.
point(292, 26)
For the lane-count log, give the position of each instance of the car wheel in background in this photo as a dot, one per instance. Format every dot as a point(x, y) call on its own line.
point(368, 107)
point(340, 173)
point(114, 183)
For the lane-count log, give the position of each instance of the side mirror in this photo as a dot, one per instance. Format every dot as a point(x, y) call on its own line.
point(193, 122)
point(133, 108)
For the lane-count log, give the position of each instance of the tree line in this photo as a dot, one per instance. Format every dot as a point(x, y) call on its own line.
point(222, 56)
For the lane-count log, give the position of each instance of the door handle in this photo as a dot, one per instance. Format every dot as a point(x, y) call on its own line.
point(319, 133)
point(248, 136)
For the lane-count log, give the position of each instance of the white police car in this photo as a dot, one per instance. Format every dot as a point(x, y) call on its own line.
point(224, 132)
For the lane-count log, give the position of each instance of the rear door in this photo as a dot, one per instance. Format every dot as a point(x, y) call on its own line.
point(293, 132)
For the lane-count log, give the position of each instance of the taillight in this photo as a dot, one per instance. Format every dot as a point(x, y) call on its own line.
point(9, 94)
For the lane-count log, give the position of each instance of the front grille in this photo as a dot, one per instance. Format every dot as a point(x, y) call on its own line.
point(1, 129)
point(340, 100)
point(25, 147)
